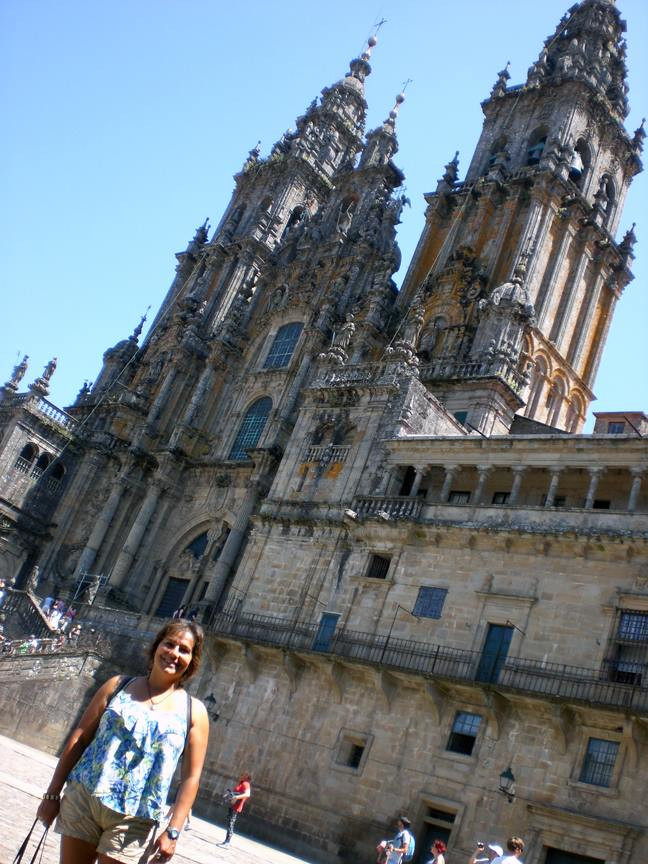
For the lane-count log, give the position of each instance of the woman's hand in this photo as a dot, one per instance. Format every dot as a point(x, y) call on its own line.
point(48, 811)
point(164, 848)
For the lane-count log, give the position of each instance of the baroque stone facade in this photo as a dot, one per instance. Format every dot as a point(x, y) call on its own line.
point(415, 571)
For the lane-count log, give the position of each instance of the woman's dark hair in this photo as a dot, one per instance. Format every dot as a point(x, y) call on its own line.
point(439, 846)
point(173, 628)
point(515, 844)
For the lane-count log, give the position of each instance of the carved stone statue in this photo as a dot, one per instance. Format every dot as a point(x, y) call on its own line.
point(50, 369)
point(32, 579)
point(342, 338)
point(18, 374)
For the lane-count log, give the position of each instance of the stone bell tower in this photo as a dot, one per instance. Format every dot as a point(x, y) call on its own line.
point(518, 268)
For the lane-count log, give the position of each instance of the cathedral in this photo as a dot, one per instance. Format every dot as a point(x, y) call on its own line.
point(425, 590)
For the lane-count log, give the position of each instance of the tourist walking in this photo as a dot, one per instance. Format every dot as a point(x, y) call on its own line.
point(514, 848)
point(438, 850)
point(237, 799)
point(485, 854)
point(117, 765)
point(402, 846)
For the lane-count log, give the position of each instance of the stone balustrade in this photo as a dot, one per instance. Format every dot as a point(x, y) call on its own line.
point(327, 453)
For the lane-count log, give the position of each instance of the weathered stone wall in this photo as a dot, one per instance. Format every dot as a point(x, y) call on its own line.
point(42, 696)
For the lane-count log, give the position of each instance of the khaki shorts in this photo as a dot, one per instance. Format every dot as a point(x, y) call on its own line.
point(124, 838)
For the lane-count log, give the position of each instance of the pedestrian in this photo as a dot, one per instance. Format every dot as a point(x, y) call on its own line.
point(485, 854)
point(240, 795)
point(515, 848)
point(438, 849)
point(68, 618)
point(119, 762)
point(47, 605)
point(401, 848)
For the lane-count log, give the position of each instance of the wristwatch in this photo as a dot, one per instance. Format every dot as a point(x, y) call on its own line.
point(172, 833)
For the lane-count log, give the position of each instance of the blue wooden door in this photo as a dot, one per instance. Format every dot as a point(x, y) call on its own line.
point(494, 652)
point(326, 631)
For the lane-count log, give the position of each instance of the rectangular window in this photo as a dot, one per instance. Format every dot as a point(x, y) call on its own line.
point(378, 567)
point(616, 428)
point(601, 504)
point(464, 733)
point(598, 764)
point(429, 603)
point(628, 657)
point(461, 416)
point(501, 497)
point(352, 750)
point(458, 496)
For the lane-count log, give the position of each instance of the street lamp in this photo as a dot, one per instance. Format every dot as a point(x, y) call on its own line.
point(507, 784)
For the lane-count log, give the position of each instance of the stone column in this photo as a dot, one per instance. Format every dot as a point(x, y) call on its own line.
point(386, 482)
point(139, 526)
point(161, 398)
point(553, 486)
point(637, 477)
point(101, 526)
point(450, 473)
point(595, 476)
point(518, 474)
point(232, 546)
point(416, 485)
point(482, 474)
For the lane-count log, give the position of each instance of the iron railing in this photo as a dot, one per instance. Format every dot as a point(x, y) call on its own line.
point(25, 613)
point(553, 680)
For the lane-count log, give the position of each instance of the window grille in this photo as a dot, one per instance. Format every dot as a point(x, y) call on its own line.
point(378, 567)
point(429, 603)
point(598, 764)
point(628, 657)
point(251, 428)
point(459, 497)
point(501, 497)
point(464, 733)
point(283, 346)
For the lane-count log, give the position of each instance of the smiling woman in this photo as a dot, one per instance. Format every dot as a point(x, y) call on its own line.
point(117, 765)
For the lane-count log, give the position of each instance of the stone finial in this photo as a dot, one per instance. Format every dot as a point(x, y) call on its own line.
point(626, 246)
point(499, 87)
point(137, 332)
point(639, 136)
point(391, 119)
point(18, 374)
point(452, 170)
point(253, 156)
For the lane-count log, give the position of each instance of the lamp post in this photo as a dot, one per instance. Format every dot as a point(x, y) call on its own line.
point(507, 784)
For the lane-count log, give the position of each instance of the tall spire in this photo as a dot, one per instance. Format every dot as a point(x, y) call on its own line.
point(587, 46)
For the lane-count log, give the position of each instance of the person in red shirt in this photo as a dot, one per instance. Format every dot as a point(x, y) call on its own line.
point(236, 804)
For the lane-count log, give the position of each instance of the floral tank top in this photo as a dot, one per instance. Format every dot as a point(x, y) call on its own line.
point(130, 762)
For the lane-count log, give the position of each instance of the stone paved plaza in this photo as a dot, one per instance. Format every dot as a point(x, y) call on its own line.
point(25, 772)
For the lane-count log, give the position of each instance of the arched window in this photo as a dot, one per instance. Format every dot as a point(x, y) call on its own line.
point(58, 471)
point(283, 346)
point(580, 163)
point(606, 195)
point(251, 428)
point(43, 461)
point(29, 452)
point(197, 546)
point(295, 216)
point(497, 153)
point(536, 146)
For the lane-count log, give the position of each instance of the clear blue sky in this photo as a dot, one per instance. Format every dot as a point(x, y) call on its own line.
point(125, 121)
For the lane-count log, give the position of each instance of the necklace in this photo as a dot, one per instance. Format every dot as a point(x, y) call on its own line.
point(160, 701)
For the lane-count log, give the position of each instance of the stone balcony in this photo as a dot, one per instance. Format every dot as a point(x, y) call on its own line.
point(534, 678)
